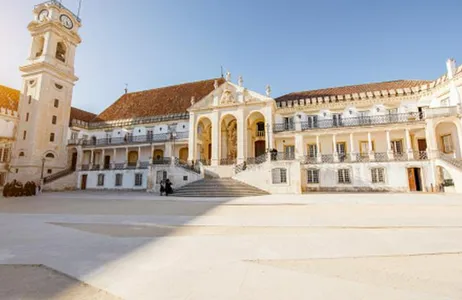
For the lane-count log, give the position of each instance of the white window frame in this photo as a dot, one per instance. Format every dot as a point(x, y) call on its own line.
point(138, 179)
point(376, 173)
point(121, 177)
point(279, 176)
point(446, 142)
point(100, 180)
point(312, 176)
point(344, 176)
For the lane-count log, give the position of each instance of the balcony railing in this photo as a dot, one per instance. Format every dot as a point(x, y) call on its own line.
point(141, 139)
point(260, 133)
point(353, 122)
point(365, 157)
point(227, 161)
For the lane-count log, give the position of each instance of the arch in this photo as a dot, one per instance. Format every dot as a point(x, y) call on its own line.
point(39, 45)
point(61, 50)
point(256, 134)
point(132, 157)
point(447, 135)
point(183, 154)
point(228, 139)
point(21, 154)
point(158, 154)
point(50, 155)
point(203, 141)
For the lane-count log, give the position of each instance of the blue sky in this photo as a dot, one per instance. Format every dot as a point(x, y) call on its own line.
point(292, 45)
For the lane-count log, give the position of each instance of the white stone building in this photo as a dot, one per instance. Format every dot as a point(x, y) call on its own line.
point(403, 135)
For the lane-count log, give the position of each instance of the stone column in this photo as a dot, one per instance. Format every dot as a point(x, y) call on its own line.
point(114, 158)
point(241, 137)
point(369, 141)
point(192, 144)
point(352, 148)
point(215, 138)
point(432, 146)
point(318, 150)
point(410, 154)
point(101, 166)
point(139, 157)
point(389, 150)
point(299, 146)
point(269, 120)
point(91, 159)
point(334, 147)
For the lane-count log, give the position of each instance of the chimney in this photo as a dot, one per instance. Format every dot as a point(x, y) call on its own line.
point(451, 66)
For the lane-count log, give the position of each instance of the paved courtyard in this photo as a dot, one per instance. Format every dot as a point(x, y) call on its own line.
point(105, 245)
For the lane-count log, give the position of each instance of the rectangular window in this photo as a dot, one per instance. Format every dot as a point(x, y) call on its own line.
point(279, 175)
point(397, 146)
point(312, 121)
point(337, 119)
point(312, 175)
point(49, 171)
point(447, 143)
point(27, 117)
point(56, 104)
point(74, 135)
point(53, 120)
point(343, 176)
point(312, 150)
point(377, 175)
point(118, 179)
point(100, 179)
point(24, 135)
point(30, 99)
point(289, 123)
point(52, 137)
point(2, 179)
point(138, 179)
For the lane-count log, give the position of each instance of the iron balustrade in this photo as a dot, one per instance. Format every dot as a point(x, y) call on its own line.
point(130, 122)
point(144, 165)
point(420, 155)
point(380, 156)
point(250, 163)
point(280, 127)
point(327, 158)
point(129, 139)
point(95, 167)
point(364, 157)
point(119, 166)
point(184, 164)
point(85, 167)
point(162, 161)
point(401, 156)
point(352, 122)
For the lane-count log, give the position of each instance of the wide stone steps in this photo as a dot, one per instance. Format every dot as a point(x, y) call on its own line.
point(218, 187)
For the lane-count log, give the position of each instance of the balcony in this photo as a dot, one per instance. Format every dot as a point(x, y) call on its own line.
point(353, 122)
point(142, 139)
point(441, 112)
point(364, 157)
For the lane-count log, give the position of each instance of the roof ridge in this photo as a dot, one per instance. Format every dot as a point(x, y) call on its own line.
point(174, 85)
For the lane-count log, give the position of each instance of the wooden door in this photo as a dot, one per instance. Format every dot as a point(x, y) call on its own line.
point(83, 182)
point(74, 161)
point(422, 144)
point(259, 148)
point(107, 162)
point(411, 178)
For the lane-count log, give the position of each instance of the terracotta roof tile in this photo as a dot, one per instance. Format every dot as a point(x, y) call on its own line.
point(353, 89)
point(160, 101)
point(82, 115)
point(9, 98)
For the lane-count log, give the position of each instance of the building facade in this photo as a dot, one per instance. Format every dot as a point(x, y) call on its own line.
point(403, 135)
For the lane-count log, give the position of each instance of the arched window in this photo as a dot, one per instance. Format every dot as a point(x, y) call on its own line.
point(61, 52)
point(21, 154)
point(50, 155)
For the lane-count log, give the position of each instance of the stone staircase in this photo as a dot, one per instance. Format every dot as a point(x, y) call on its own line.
point(218, 187)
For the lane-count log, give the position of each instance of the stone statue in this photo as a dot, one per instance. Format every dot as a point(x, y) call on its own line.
point(268, 90)
point(228, 76)
point(240, 81)
point(227, 97)
point(215, 84)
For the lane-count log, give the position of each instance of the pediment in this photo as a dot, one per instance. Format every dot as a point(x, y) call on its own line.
point(229, 94)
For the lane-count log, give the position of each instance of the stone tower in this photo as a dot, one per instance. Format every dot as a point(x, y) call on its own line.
point(46, 93)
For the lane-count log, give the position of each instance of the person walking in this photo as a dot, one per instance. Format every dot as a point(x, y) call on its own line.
point(168, 187)
point(162, 187)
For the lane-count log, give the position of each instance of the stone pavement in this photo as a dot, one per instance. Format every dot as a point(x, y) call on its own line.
point(317, 246)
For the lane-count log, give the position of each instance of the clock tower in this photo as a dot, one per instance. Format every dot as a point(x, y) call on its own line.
point(46, 93)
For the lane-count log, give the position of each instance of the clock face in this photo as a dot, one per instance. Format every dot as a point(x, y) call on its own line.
point(43, 15)
point(66, 21)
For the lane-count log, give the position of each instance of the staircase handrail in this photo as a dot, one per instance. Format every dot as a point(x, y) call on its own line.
point(245, 166)
point(58, 175)
point(450, 159)
point(182, 164)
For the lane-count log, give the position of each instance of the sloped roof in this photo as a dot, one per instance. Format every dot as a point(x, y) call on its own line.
point(351, 89)
point(160, 101)
point(9, 98)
